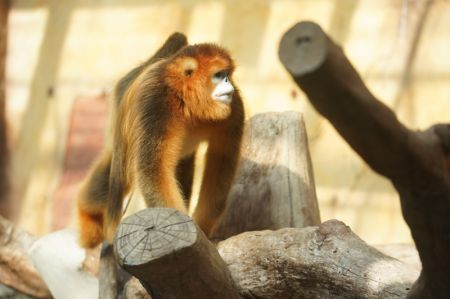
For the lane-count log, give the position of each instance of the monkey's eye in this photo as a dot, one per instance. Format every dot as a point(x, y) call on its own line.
point(219, 76)
point(188, 72)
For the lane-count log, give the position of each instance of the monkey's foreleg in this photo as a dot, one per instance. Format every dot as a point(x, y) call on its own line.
point(221, 162)
point(91, 202)
point(156, 164)
point(162, 190)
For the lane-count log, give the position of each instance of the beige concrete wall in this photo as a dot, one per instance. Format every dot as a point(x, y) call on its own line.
point(61, 49)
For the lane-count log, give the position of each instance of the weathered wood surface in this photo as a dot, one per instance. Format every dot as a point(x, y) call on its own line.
point(171, 256)
point(134, 290)
point(274, 186)
point(8, 293)
point(417, 162)
point(16, 269)
point(328, 261)
point(407, 253)
point(107, 278)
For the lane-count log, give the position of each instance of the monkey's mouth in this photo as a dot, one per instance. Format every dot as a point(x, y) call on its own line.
point(223, 97)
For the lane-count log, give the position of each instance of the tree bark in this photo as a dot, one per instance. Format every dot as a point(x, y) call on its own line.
point(5, 206)
point(107, 278)
point(16, 269)
point(274, 185)
point(134, 290)
point(417, 163)
point(171, 256)
point(328, 261)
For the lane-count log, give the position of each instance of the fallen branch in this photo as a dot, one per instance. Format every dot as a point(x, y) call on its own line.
point(328, 261)
point(416, 162)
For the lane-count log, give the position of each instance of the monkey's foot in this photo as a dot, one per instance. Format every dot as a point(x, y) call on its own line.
point(91, 229)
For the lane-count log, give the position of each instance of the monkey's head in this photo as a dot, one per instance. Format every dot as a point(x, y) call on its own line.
point(199, 76)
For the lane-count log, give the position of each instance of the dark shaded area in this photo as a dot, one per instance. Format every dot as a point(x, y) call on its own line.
point(416, 162)
point(251, 209)
point(5, 205)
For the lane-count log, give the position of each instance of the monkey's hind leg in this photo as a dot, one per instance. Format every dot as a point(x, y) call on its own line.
point(91, 202)
point(118, 188)
point(185, 177)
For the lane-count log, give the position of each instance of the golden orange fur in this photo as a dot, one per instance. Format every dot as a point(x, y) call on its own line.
point(162, 112)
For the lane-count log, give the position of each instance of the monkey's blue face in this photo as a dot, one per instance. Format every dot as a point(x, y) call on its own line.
point(223, 89)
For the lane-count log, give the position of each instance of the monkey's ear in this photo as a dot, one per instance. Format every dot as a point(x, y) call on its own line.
point(188, 66)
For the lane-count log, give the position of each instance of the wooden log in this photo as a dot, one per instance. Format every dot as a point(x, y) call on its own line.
point(417, 162)
point(107, 273)
point(16, 268)
point(171, 256)
point(6, 292)
point(134, 290)
point(112, 278)
point(274, 185)
point(407, 253)
point(328, 261)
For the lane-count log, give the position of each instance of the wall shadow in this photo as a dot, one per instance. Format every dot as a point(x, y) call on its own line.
point(253, 195)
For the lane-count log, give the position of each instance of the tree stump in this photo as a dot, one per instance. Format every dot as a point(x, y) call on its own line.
point(171, 256)
point(274, 185)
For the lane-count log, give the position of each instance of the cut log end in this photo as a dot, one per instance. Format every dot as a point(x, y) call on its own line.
point(171, 256)
point(302, 48)
point(152, 233)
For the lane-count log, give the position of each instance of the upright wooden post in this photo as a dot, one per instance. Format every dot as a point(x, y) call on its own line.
point(274, 185)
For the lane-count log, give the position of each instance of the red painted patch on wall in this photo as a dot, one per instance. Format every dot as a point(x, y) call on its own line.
point(85, 140)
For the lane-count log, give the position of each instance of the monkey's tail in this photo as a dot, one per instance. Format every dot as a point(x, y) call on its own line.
point(91, 202)
point(113, 213)
point(90, 224)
